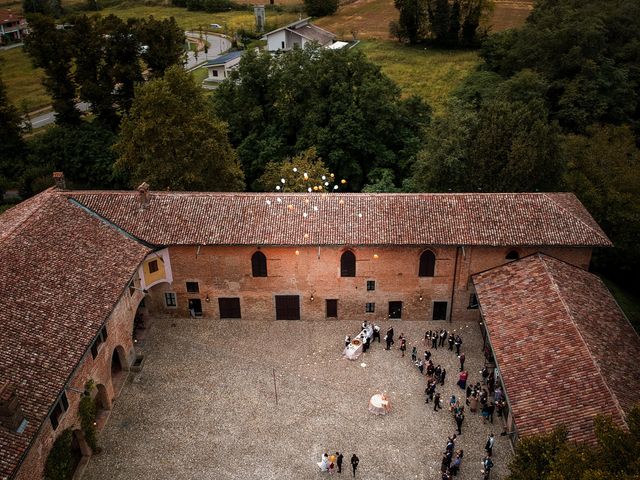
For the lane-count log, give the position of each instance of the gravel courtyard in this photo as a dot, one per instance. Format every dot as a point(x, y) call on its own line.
point(204, 407)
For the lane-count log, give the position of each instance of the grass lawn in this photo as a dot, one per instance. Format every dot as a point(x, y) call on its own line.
point(24, 83)
point(629, 301)
point(230, 21)
point(431, 74)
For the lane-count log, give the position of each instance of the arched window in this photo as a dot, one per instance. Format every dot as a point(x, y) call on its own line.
point(512, 255)
point(348, 264)
point(427, 264)
point(259, 265)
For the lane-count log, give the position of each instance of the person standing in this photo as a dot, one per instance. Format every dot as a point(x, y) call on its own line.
point(451, 342)
point(458, 343)
point(389, 338)
point(403, 346)
point(434, 340)
point(436, 402)
point(414, 354)
point(339, 458)
point(459, 420)
point(489, 445)
point(443, 375)
point(354, 463)
point(376, 333)
point(347, 341)
point(462, 359)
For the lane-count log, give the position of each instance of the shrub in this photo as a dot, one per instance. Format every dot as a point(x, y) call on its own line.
point(60, 462)
point(321, 8)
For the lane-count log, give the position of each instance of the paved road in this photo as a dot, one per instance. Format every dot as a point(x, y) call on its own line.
point(47, 118)
point(217, 45)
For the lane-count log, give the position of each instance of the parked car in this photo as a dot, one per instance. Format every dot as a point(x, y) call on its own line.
point(215, 25)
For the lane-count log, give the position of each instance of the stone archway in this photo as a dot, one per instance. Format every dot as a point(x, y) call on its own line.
point(103, 405)
point(119, 369)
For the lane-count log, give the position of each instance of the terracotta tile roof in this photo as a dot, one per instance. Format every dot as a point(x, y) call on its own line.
point(565, 350)
point(350, 219)
point(62, 272)
point(7, 16)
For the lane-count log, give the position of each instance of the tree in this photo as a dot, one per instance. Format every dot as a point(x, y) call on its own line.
point(494, 138)
point(13, 147)
point(587, 51)
point(44, 7)
point(410, 23)
point(303, 173)
point(162, 44)
point(320, 8)
point(439, 16)
point(381, 180)
point(603, 169)
point(551, 457)
point(83, 152)
point(172, 140)
point(335, 101)
point(50, 48)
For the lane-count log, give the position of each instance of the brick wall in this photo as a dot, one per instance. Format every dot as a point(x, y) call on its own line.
point(306, 271)
point(119, 328)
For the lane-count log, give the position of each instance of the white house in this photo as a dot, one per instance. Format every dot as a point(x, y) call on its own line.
point(296, 35)
point(220, 67)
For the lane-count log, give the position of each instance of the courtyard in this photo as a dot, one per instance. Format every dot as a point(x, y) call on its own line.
point(204, 405)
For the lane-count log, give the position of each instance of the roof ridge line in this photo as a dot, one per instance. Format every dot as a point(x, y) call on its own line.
point(600, 234)
point(584, 342)
point(106, 221)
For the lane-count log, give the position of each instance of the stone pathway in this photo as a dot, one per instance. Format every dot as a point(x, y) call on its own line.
point(204, 406)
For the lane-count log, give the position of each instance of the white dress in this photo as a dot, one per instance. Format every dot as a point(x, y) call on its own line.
point(324, 463)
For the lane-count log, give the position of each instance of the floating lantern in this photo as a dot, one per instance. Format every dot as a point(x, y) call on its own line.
point(283, 180)
point(319, 187)
point(315, 209)
point(324, 177)
point(343, 181)
point(295, 169)
point(297, 252)
point(335, 187)
point(326, 184)
point(331, 175)
point(268, 202)
point(315, 188)
point(290, 207)
point(341, 202)
point(309, 189)
point(277, 187)
point(306, 235)
point(306, 200)
point(279, 200)
point(375, 255)
point(359, 215)
point(305, 214)
point(305, 175)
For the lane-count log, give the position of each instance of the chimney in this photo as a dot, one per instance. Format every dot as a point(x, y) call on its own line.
point(11, 415)
point(143, 194)
point(58, 179)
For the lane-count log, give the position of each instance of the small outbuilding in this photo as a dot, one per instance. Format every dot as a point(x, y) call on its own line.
point(218, 69)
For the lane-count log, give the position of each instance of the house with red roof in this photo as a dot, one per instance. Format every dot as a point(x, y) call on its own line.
point(79, 266)
point(13, 27)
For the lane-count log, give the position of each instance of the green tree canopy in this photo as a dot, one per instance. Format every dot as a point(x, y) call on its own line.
point(552, 457)
point(13, 147)
point(171, 139)
point(335, 101)
point(303, 173)
point(320, 8)
point(587, 50)
point(603, 169)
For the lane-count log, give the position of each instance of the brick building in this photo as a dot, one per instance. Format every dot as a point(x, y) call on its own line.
point(77, 264)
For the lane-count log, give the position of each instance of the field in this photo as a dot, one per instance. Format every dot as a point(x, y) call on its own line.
point(23, 82)
point(230, 21)
point(370, 18)
point(431, 74)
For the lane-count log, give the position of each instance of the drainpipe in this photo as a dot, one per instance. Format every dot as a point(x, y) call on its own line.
point(453, 284)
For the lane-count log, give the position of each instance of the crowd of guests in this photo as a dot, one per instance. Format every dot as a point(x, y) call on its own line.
point(483, 397)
